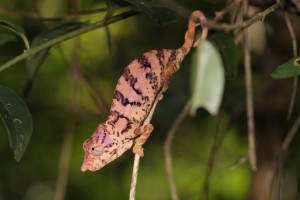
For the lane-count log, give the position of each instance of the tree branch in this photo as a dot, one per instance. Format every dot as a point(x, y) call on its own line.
point(249, 95)
point(66, 149)
point(295, 51)
point(220, 14)
point(258, 17)
point(211, 159)
point(167, 149)
point(137, 157)
point(72, 34)
point(291, 134)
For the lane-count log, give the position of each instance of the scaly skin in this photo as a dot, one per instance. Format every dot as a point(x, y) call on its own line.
point(142, 82)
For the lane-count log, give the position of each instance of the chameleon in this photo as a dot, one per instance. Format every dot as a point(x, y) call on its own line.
point(139, 87)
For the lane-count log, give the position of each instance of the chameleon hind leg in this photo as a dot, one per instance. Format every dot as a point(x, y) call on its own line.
point(144, 132)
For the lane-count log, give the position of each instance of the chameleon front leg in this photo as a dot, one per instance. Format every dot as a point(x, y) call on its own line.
point(143, 132)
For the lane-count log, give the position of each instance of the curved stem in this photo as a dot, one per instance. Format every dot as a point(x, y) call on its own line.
point(167, 149)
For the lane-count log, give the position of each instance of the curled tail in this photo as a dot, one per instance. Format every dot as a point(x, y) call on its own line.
point(197, 18)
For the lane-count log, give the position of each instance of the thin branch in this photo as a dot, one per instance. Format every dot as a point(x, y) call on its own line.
point(240, 161)
point(64, 161)
point(135, 171)
point(291, 134)
point(295, 51)
point(67, 36)
point(258, 17)
point(279, 182)
point(211, 159)
point(137, 157)
point(96, 95)
point(107, 32)
point(249, 95)
point(167, 149)
point(220, 14)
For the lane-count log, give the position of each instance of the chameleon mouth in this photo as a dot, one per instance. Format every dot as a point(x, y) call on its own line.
point(84, 167)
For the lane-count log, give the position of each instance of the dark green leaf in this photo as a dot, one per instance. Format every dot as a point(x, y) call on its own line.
point(16, 29)
point(207, 78)
point(287, 70)
point(5, 38)
point(17, 120)
point(33, 64)
point(228, 51)
point(161, 15)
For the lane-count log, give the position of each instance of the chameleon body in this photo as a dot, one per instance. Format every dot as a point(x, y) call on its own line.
point(141, 84)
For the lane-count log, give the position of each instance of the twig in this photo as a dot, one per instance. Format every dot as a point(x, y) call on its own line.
point(167, 149)
point(107, 32)
point(258, 17)
point(240, 161)
point(295, 50)
point(64, 161)
point(211, 159)
point(279, 182)
point(137, 157)
point(291, 134)
point(220, 14)
point(134, 176)
point(67, 36)
point(95, 94)
point(249, 95)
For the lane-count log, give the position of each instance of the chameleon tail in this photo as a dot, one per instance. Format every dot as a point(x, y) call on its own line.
point(197, 18)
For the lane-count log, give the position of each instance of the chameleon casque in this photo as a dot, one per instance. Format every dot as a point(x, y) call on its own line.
point(140, 86)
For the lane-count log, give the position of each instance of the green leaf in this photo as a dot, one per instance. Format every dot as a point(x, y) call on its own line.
point(207, 78)
point(288, 69)
point(16, 29)
point(228, 50)
point(17, 120)
point(6, 38)
point(33, 64)
point(161, 14)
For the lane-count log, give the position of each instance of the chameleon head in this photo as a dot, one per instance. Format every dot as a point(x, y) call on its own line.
point(101, 148)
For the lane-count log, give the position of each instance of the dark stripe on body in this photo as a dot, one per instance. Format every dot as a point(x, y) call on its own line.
point(143, 60)
point(116, 116)
point(172, 56)
point(160, 56)
point(125, 101)
point(153, 81)
point(131, 80)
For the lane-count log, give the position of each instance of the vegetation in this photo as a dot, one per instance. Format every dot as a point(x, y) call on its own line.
point(225, 129)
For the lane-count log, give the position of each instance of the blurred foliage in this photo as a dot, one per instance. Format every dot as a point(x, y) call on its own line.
point(35, 176)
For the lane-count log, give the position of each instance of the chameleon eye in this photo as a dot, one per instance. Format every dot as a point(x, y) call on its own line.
point(96, 150)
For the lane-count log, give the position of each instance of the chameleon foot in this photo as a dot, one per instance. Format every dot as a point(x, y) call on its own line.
point(144, 132)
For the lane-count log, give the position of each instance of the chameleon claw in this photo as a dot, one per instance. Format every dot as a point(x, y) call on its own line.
point(137, 149)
